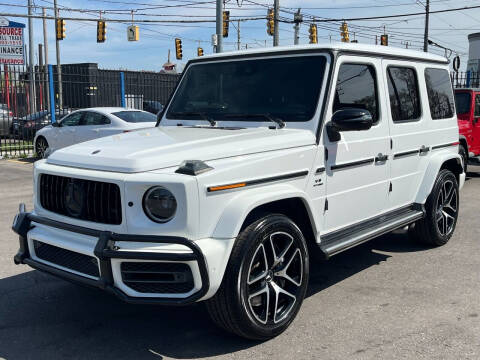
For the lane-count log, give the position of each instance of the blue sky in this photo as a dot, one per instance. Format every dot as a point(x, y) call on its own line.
point(449, 29)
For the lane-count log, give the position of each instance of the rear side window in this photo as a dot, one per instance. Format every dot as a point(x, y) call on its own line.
point(357, 87)
point(93, 118)
point(403, 93)
point(136, 116)
point(463, 102)
point(477, 106)
point(440, 93)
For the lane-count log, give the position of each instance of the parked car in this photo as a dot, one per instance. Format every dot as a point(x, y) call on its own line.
point(152, 106)
point(27, 126)
point(5, 120)
point(87, 124)
point(253, 169)
point(468, 113)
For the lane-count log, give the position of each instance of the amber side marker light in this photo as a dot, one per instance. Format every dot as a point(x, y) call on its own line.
point(226, 187)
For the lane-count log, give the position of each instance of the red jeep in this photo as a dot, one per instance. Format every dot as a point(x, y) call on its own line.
point(467, 102)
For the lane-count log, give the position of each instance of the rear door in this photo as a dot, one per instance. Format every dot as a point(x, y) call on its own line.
point(475, 144)
point(356, 170)
point(409, 128)
point(92, 126)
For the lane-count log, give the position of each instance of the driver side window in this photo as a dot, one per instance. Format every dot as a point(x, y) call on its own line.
point(357, 87)
point(72, 120)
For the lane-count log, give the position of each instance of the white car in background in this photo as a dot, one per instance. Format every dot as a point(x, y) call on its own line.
point(88, 124)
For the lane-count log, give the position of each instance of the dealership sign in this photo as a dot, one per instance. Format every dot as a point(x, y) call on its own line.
point(12, 42)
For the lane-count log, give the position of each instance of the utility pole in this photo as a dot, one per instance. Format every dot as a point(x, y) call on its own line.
point(276, 9)
point(219, 29)
point(297, 19)
point(31, 59)
point(427, 15)
point(238, 34)
point(59, 64)
point(45, 47)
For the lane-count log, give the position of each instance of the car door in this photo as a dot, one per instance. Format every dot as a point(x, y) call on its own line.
point(92, 126)
point(356, 170)
point(409, 130)
point(64, 134)
point(475, 145)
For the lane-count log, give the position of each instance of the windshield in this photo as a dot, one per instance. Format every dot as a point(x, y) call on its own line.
point(462, 102)
point(136, 116)
point(287, 88)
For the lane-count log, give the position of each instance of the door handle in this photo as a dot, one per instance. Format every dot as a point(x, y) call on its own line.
point(424, 149)
point(381, 158)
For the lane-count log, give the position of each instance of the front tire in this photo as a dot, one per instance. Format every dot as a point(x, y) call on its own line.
point(442, 205)
point(41, 146)
point(265, 281)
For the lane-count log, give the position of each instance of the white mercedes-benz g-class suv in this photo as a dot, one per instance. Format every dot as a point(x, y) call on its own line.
point(259, 159)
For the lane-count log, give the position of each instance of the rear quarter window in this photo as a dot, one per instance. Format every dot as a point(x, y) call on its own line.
point(440, 93)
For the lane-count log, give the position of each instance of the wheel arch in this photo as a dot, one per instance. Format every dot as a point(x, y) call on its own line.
point(246, 209)
point(442, 160)
point(463, 142)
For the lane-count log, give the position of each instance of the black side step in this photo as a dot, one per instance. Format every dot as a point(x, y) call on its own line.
point(341, 240)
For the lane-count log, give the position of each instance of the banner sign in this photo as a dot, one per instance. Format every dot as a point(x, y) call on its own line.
point(12, 44)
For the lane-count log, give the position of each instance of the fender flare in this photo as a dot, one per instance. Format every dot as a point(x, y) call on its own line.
point(463, 138)
point(434, 166)
point(238, 208)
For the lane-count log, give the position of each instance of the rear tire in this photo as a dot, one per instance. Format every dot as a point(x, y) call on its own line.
point(438, 225)
point(265, 281)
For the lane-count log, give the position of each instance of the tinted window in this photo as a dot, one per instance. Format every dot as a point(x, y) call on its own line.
point(72, 120)
point(282, 87)
point(92, 118)
point(403, 93)
point(356, 87)
point(36, 116)
point(463, 102)
point(440, 94)
point(136, 116)
point(477, 106)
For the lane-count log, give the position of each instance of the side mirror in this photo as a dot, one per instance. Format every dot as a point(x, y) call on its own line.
point(56, 124)
point(348, 119)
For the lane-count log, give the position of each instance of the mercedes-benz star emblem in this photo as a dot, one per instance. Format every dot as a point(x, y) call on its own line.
point(74, 198)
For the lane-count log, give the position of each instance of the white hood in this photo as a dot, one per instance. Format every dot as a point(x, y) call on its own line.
point(166, 146)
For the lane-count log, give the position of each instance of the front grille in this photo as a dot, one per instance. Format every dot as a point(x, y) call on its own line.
point(69, 259)
point(81, 199)
point(162, 278)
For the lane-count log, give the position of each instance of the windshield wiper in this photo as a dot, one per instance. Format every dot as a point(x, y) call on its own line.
point(276, 120)
point(203, 115)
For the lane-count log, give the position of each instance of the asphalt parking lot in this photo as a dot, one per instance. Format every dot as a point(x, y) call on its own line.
point(387, 299)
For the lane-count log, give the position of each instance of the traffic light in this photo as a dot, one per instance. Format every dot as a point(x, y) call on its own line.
point(178, 48)
point(226, 22)
point(270, 22)
point(60, 29)
point(313, 34)
point(384, 40)
point(199, 51)
point(101, 31)
point(344, 32)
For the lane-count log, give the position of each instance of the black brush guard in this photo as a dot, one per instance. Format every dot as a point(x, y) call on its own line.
point(104, 251)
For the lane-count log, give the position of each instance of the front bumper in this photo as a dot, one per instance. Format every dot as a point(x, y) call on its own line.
point(105, 251)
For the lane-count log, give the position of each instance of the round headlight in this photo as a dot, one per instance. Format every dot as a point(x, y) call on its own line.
point(159, 204)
